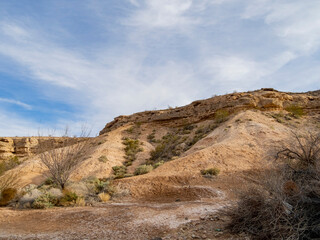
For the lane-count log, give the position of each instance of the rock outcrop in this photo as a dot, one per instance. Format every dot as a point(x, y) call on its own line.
point(28, 146)
point(263, 99)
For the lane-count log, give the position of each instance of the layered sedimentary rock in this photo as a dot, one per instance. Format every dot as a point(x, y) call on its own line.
point(263, 99)
point(28, 146)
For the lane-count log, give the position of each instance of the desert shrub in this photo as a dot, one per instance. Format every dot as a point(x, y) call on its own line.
point(210, 172)
point(103, 185)
point(166, 149)
point(119, 171)
point(143, 169)
point(287, 203)
point(7, 195)
point(186, 129)
point(221, 116)
point(69, 199)
point(130, 130)
point(103, 159)
point(158, 164)
point(295, 110)
point(46, 200)
point(133, 146)
point(100, 185)
point(151, 137)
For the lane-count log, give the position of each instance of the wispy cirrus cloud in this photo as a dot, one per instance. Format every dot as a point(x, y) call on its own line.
point(296, 23)
point(12, 101)
point(126, 56)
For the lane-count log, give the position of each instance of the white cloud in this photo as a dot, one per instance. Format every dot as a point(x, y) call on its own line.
point(167, 14)
point(13, 125)
point(12, 101)
point(235, 71)
point(112, 83)
point(157, 69)
point(296, 22)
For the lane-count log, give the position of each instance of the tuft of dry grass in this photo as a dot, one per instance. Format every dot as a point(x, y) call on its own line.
point(104, 197)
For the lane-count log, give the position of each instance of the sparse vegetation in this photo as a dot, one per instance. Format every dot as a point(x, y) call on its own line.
point(133, 146)
point(119, 171)
point(210, 172)
point(177, 141)
point(143, 169)
point(69, 199)
point(295, 111)
point(166, 149)
point(61, 162)
point(103, 159)
point(151, 136)
point(221, 116)
point(287, 203)
point(278, 117)
point(45, 201)
point(9, 179)
point(135, 130)
point(102, 185)
point(158, 164)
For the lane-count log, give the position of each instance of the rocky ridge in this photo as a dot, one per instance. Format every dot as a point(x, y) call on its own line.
point(263, 99)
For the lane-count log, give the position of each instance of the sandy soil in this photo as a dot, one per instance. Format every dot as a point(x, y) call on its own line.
point(114, 220)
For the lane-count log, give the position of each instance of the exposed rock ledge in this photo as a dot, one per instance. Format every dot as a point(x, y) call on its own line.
point(27, 146)
point(263, 99)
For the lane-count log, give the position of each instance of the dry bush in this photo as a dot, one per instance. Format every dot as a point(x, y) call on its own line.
point(61, 162)
point(7, 195)
point(303, 151)
point(104, 197)
point(9, 179)
point(286, 205)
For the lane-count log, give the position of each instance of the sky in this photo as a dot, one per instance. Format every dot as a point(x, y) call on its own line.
point(84, 62)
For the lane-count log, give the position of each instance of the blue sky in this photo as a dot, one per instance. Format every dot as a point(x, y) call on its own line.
point(74, 62)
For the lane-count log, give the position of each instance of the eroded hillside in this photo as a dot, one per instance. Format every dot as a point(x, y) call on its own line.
point(156, 161)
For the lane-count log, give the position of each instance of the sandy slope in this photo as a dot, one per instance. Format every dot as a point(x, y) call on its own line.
point(167, 197)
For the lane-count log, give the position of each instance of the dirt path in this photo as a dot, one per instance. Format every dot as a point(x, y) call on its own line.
point(114, 220)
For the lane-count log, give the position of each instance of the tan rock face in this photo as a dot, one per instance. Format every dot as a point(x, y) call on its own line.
point(26, 146)
point(264, 99)
point(6, 147)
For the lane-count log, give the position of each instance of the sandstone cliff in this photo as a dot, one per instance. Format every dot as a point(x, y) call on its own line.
point(27, 146)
